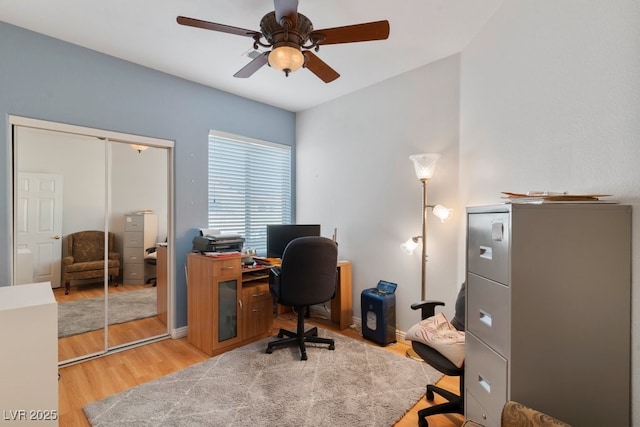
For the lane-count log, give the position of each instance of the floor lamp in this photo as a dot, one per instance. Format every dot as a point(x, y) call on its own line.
point(424, 165)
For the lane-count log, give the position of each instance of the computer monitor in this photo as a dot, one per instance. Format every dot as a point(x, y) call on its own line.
point(279, 236)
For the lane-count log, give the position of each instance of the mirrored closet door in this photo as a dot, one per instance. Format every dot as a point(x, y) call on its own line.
point(91, 209)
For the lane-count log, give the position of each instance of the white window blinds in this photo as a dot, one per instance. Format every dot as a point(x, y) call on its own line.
point(249, 187)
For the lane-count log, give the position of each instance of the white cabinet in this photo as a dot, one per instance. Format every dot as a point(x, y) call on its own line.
point(29, 355)
point(548, 311)
point(140, 233)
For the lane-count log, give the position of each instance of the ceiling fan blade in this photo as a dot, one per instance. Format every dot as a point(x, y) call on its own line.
point(378, 30)
point(288, 8)
point(318, 67)
point(253, 66)
point(192, 22)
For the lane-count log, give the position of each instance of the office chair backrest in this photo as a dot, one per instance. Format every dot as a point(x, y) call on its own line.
point(308, 271)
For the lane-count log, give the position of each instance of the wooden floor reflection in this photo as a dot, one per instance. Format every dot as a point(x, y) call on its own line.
point(92, 342)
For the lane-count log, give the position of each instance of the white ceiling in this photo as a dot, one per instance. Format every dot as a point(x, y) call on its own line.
point(145, 32)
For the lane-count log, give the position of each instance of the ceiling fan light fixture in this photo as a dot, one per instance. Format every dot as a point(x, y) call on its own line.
point(286, 58)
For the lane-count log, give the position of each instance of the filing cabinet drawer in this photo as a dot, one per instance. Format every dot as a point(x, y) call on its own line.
point(488, 312)
point(488, 245)
point(133, 239)
point(226, 267)
point(132, 255)
point(475, 412)
point(133, 273)
point(485, 377)
point(134, 223)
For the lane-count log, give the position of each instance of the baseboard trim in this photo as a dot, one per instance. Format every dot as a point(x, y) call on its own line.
point(179, 332)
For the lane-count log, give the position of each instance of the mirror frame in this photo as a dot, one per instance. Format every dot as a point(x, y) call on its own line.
point(114, 137)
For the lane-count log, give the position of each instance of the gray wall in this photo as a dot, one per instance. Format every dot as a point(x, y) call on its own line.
point(48, 79)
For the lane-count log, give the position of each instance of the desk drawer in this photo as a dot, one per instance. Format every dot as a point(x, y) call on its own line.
point(256, 293)
point(226, 267)
point(488, 245)
point(485, 377)
point(487, 312)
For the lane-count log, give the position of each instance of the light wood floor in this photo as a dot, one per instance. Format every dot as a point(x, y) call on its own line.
point(92, 342)
point(96, 379)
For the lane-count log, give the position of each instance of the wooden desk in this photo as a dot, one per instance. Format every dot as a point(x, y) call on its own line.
point(161, 283)
point(226, 308)
point(341, 303)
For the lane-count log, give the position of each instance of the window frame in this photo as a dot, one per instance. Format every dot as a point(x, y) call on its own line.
point(250, 153)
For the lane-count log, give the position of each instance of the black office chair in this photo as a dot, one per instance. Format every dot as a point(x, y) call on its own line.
point(307, 276)
point(151, 258)
point(455, 403)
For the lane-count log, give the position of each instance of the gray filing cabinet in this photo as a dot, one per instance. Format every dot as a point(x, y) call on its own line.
point(140, 233)
point(548, 312)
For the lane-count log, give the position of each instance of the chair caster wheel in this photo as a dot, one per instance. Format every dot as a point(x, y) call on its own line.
point(269, 350)
point(429, 395)
point(280, 335)
point(304, 356)
point(332, 347)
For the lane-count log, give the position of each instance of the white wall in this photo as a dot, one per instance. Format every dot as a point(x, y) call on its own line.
point(355, 175)
point(550, 100)
point(138, 180)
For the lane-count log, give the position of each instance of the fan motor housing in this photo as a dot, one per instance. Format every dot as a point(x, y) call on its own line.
point(286, 34)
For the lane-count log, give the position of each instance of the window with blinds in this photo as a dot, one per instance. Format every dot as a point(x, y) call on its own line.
point(249, 187)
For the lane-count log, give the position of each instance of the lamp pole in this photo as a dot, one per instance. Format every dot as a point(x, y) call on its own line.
point(410, 351)
point(424, 165)
point(424, 238)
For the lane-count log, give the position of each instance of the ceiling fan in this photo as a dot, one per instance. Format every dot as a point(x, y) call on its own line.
point(291, 38)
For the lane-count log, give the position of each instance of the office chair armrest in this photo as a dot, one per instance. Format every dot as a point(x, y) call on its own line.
point(428, 308)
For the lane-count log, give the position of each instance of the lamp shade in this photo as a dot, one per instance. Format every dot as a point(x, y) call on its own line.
point(424, 164)
point(286, 58)
point(410, 245)
point(442, 212)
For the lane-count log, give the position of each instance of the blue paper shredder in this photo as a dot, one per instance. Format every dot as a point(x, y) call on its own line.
point(379, 313)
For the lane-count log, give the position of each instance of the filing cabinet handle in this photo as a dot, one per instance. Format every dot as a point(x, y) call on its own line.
point(227, 268)
point(486, 318)
point(486, 252)
point(258, 295)
point(486, 385)
point(240, 304)
point(257, 309)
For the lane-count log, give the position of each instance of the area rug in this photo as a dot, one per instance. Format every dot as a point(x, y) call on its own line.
point(357, 384)
point(76, 317)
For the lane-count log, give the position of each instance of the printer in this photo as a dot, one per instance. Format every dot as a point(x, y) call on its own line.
point(214, 241)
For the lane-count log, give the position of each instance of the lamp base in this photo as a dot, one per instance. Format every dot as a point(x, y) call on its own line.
point(411, 354)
